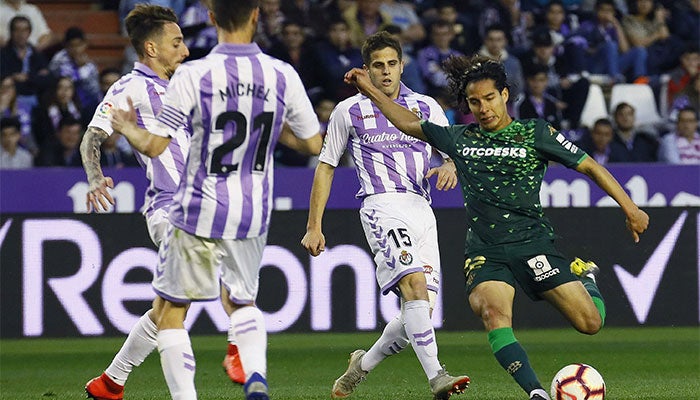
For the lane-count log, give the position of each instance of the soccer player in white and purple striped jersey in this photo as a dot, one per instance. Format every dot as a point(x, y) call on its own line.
point(158, 41)
point(237, 100)
point(393, 170)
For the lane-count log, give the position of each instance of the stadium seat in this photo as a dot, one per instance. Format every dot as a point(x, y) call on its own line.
point(639, 96)
point(594, 108)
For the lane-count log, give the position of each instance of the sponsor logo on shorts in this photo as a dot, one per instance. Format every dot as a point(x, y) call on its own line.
point(427, 269)
point(470, 267)
point(405, 258)
point(541, 267)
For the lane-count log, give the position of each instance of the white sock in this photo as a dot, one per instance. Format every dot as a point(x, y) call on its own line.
point(137, 346)
point(392, 341)
point(419, 329)
point(541, 392)
point(248, 326)
point(177, 361)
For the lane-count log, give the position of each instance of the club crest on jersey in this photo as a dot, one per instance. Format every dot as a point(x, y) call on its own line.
point(405, 258)
point(418, 112)
point(552, 131)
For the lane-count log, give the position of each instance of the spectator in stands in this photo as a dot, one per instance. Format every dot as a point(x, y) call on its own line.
point(685, 20)
point(310, 14)
point(337, 55)
point(9, 108)
point(683, 145)
point(269, 24)
point(56, 104)
point(41, 36)
point(630, 144)
point(537, 103)
point(403, 15)
point(365, 18)
point(107, 78)
point(609, 52)
point(495, 44)
point(514, 22)
point(64, 150)
point(465, 29)
point(684, 73)
point(112, 156)
point(12, 156)
point(597, 142)
point(199, 32)
point(646, 27)
point(292, 48)
point(688, 97)
point(431, 57)
point(412, 76)
point(74, 62)
point(563, 31)
point(565, 78)
point(23, 63)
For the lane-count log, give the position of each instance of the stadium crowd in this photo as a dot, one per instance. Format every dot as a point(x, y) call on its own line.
point(563, 58)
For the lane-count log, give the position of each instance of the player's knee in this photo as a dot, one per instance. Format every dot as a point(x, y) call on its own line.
point(493, 317)
point(413, 287)
point(589, 325)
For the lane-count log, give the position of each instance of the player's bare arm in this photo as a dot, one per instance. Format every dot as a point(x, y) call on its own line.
point(311, 146)
point(446, 175)
point(124, 122)
point(637, 220)
point(401, 117)
point(98, 197)
point(314, 241)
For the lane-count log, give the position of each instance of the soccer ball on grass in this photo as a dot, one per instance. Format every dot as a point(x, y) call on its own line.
point(578, 382)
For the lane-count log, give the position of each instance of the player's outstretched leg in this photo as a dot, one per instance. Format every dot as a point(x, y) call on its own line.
point(232, 365)
point(137, 346)
point(444, 385)
point(248, 325)
point(346, 384)
point(587, 271)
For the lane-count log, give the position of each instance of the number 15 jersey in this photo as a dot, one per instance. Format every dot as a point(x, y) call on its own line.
point(237, 100)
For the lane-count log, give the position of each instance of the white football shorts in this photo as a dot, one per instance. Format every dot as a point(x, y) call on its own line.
point(157, 223)
point(402, 233)
point(188, 267)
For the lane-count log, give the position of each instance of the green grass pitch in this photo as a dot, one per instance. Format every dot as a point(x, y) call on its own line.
point(637, 363)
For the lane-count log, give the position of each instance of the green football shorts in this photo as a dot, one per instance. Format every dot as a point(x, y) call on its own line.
point(535, 266)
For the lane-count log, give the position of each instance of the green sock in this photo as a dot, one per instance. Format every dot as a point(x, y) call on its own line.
point(512, 357)
point(597, 298)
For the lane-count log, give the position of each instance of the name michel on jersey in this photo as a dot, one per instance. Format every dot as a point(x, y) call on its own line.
point(245, 89)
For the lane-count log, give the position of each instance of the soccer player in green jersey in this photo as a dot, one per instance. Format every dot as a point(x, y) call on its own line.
point(500, 164)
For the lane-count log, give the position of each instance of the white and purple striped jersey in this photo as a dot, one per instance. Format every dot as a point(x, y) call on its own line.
point(146, 90)
point(237, 99)
point(386, 159)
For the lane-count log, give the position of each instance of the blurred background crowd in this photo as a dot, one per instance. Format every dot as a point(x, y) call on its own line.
point(619, 78)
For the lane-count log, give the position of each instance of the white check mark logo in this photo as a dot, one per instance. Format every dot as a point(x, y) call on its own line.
point(641, 289)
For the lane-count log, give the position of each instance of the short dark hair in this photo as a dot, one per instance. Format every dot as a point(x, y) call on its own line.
point(73, 32)
point(68, 120)
point(146, 21)
point(688, 109)
point(19, 18)
point(603, 121)
point(622, 105)
point(463, 70)
point(231, 15)
point(378, 41)
point(10, 122)
point(605, 3)
point(110, 70)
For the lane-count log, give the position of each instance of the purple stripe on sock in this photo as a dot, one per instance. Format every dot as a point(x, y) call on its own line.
point(424, 342)
point(242, 331)
point(250, 321)
point(188, 356)
point(189, 366)
point(422, 335)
